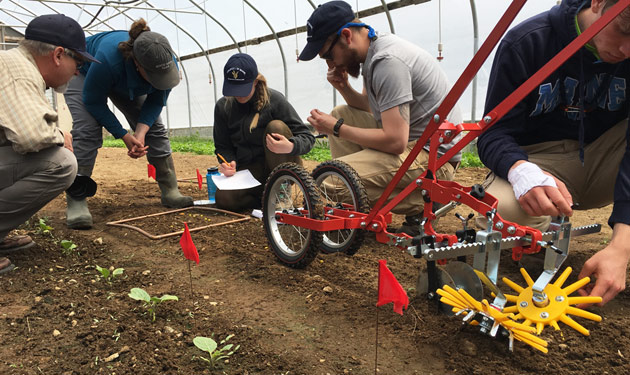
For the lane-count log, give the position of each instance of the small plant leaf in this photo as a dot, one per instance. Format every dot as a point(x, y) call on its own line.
point(140, 295)
point(68, 245)
point(168, 297)
point(205, 343)
point(118, 271)
point(104, 271)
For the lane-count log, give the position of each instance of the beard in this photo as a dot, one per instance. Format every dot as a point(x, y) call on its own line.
point(353, 67)
point(61, 89)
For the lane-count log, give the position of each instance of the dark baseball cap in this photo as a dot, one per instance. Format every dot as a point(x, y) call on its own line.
point(325, 21)
point(59, 30)
point(239, 73)
point(155, 55)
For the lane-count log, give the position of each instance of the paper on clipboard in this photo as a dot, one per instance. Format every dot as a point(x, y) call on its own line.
point(241, 180)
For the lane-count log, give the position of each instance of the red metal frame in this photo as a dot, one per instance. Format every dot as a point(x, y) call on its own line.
point(441, 131)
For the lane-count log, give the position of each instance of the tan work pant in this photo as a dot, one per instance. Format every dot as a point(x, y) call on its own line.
point(377, 168)
point(591, 185)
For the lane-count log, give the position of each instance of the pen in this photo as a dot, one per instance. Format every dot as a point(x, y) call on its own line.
point(222, 158)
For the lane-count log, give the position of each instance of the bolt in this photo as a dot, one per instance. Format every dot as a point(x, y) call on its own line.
point(423, 192)
point(363, 225)
point(487, 119)
point(330, 212)
point(351, 215)
point(524, 304)
point(511, 229)
point(430, 295)
point(559, 298)
point(544, 315)
point(458, 196)
point(441, 139)
point(375, 226)
point(448, 133)
point(436, 118)
point(419, 182)
point(499, 225)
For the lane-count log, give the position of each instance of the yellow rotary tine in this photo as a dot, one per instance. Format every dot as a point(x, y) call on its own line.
point(510, 309)
point(526, 340)
point(573, 324)
point(576, 285)
point(527, 322)
point(539, 327)
point(527, 278)
point(455, 295)
point(580, 300)
point(453, 303)
point(512, 325)
point(532, 338)
point(583, 314)
point(517, 288)
point(473, 302)
point(555, 325)
point(511, 298)
point(563, 277)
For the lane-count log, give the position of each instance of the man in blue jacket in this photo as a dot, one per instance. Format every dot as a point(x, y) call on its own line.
point(565, 144)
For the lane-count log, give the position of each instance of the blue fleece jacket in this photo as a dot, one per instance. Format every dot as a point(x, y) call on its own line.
point(551, 112)
point(116, 77)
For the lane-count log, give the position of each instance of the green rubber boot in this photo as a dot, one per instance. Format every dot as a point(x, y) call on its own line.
point(77, 212)
point(167, 181)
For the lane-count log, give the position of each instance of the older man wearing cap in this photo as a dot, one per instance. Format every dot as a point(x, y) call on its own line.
point(36, 160)
point(137, 72)
point(402, 88)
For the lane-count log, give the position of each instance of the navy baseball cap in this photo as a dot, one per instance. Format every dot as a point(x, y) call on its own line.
point(325, 21)
point(239, 72)
point(59, 30)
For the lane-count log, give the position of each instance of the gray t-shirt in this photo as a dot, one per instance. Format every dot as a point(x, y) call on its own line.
point(396, 72)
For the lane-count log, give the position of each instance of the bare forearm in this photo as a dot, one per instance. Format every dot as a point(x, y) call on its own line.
point(373, 138)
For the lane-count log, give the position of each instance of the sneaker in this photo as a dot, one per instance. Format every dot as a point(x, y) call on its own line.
point(15, 243)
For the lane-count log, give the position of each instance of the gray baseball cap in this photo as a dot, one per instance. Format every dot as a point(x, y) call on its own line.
point(154, 53)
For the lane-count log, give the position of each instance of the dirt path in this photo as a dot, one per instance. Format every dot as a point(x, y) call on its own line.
point(320, 320)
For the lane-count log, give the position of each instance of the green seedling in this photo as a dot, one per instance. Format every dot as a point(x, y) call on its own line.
point(68, 247)
point(109, 276)
point(150, 303)
point(210, 346)
point(43, 227)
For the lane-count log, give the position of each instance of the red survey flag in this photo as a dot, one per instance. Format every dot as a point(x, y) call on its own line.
point(188, 247)
point(151, 171)
point(199, 179)
point(389, 289)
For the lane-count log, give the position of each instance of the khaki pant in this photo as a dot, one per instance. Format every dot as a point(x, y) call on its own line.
point(28, 182)
point(377, 168)
point(237, 200)
point(591, 185)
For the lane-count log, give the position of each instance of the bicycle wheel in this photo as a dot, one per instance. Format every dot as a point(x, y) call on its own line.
point(341, 187)
point(290, 190)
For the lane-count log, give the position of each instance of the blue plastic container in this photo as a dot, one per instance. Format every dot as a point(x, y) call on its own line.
point(212, 188)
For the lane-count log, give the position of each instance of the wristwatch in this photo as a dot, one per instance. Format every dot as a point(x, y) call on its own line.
point(337, 126)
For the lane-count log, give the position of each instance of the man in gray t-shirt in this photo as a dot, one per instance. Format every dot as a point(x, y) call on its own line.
point(402, 88)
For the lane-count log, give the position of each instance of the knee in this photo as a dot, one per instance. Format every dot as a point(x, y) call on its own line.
point(278, 126)
point(67, 167)
point(341, 111)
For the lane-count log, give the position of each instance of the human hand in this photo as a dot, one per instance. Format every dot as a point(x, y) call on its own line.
point(609, 269)
point(279, 144)
point(67, 140)
point(548, 200)
point(322, 122)
point(227, 170)
point(141, 131)
point(337, 77)
point(135, 148)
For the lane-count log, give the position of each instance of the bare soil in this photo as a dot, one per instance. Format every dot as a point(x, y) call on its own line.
point(58, 317)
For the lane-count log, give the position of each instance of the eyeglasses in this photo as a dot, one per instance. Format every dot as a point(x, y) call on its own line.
point(73, 55)
point(328, 54)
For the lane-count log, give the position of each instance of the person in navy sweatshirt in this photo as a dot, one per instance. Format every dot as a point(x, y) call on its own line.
point(137, 74)
point(564, 146)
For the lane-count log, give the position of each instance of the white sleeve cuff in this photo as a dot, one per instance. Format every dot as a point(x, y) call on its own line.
point(526, 176)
